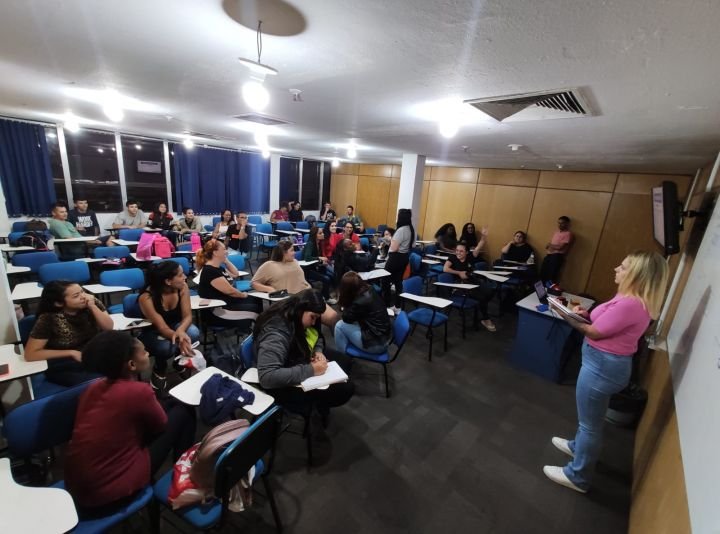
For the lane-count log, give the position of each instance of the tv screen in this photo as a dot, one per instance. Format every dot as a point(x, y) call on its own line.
point(666, 217)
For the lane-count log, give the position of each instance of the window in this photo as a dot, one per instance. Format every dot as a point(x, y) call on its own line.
point(144, 171)
point(310, 185)
point(326, 183)
point(55, 162)
point(289, 180)
point(94, 169)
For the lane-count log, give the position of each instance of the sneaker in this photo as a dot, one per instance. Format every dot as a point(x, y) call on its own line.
point(396, 310)
point(489, 325)
point(159, 384)
point(561, 444)
point(331, 301)
point(557, 475)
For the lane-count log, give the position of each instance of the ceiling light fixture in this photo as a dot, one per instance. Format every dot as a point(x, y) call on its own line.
point(188, 143)
point(296, 95)
point(352, 152)
point(514, 147)
point(266, 152)
point(256, 66)
point(448, 128)
point(100, 150)
point(335, 162)
point(111, 106)
point(255, 95)
point(138, 147)
point(253, 92)
point(71, 123)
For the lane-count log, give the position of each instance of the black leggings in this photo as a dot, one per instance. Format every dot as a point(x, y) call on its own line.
point(551, 266)
point(395, 265)
point(178, 436)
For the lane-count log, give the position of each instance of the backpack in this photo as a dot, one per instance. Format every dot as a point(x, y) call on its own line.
point(145, 245)
point(35, 240)
point(231, 363)
point(193, 478)
point(311, 220)
point(195, 242)
point(36, 225)
point(163, 247)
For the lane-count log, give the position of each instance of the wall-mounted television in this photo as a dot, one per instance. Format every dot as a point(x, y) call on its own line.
point(667, 217)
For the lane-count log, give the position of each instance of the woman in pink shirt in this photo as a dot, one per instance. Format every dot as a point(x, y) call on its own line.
point(610, 342)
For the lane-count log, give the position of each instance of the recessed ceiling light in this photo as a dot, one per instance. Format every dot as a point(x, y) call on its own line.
point(138, 147)
point(100, 150)
point(111, 105)
point(188, 143)
point(514, 147)
point(335, 162)
point(448, 128)
point(52, 135)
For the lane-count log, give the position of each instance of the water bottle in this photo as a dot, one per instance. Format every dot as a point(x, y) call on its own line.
point(531, 259)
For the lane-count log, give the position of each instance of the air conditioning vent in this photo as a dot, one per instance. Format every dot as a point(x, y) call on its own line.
point(213, 137)
point(261, 119)
point(554, 104)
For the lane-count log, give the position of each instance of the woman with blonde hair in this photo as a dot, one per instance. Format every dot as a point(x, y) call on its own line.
point(610, 341)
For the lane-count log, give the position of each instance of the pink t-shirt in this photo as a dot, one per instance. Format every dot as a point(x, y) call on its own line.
point(621, 321)
point(561, 237)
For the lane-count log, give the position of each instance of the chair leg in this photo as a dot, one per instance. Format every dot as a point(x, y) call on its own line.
point(273, 505)
point(446, 336)
point(387, 388)
point(430, 342)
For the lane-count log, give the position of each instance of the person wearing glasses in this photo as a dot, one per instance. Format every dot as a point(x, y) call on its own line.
point(239, 234)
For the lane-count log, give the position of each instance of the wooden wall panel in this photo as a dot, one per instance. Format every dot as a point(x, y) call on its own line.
point(504, 210)
point(372, 199)
point(395, 173)
point(448, 202)
point(346, 168)
point(427, 173)
point(375, 170)
point(582, 181)
point(454, 174)
point(640, 184)
point(391, 216)
point(518, 177)
point(343, 191)
point(587, 210)
point(423, 209)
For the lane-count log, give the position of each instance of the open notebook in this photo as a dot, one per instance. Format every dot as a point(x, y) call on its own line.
point(332, 375)
point(556, 303)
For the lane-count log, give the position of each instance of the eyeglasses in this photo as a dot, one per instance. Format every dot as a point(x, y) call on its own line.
point(242, 216)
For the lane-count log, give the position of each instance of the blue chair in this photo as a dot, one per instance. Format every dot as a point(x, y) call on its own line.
point(285, 226)
point(34, 260)
point(111, 252)
point(428, 317)
point(401, 331)
point(303, 225)
point(238, 260)
point(74, 271)
point(20, 226)
point(460, 299)
point(131, 307)
point(208, 227)
point(133, 278)
point(130, 234)
point(418, 269)
point(45, 423)
point(255, 219)
point(370, 230)
point(264, 243)
point(247, 450)
point(365, 244)
point(216, 220)
point(180, 260)
point(381, 228)
point(298, 255)
point(246, 353)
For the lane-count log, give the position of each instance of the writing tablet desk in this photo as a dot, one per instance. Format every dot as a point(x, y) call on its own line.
point(544, 340)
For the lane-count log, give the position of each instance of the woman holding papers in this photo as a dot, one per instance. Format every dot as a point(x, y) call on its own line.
point(289, 348)
point(365, 322)
point(610, 341)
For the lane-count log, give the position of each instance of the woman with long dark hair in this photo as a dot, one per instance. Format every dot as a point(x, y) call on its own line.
point(289, 347)
point(365, 322)
point(610, 342)
point(446, 237)
point(67, 318)
point(398, 256)
point(165, 302)
point(226, 220)
point(161, 219)
point(320, 272)
point(468, 235)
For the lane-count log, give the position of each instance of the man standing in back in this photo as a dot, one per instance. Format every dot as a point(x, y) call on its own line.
point(557, 249)
point(132, 217)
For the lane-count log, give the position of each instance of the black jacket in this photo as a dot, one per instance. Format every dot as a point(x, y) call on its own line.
point(369, 311)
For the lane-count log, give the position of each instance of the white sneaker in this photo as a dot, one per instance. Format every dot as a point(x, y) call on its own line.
point(557, 475)
point(396, 310)
point(331, 301)
point(561, 444)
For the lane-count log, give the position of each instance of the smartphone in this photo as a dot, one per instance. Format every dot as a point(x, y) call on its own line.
point(4, 369)
point(136, 322)
point(204, 302)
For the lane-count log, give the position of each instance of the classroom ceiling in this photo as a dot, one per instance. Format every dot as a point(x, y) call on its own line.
point(380, 74)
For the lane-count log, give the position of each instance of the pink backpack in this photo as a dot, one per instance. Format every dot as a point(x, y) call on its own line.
point(195, 242)
point(163, 247)
point(144, 248)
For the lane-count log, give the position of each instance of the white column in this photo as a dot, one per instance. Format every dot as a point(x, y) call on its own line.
point(274, 182)
point(412, 173)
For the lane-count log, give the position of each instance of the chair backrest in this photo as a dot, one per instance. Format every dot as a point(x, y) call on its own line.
point(112, 252)
point(401, 329)
point(131, 234)
point(369, 230)
point(216, 220)
point(285, 225)
point(133, 278)
point(43, 423)
point(430, 249)
point(238, 260)
point(415, 263)
point(237, 459)
point(74, 271)
point(25, 326)
point(34, 260)
point(208, 227)
point(246, 352)
point(181, 261)
point(446, 278)
point(264, 228)
point(381, 228)
point(299, 255)
point(365, 243)
point(184, 246)
point(413, 285)
point(255, 219)
point(302, 224)
point(19, 226)
point(131, 307)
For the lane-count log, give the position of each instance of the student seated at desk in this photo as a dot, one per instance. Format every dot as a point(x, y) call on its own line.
point(216, 283)
point(365, 322)
point(517, 249)
point(131, 217)
point(67, 318)
point(165, 302)
point(238, 236)
point(321, 271)
point(61, 228)
point(188, 223)
point(461, 266)
point(289, 347)
point(469, 235)
point(446, 237)
point(347, 233)
point(85, 221)
point(330, 241)
point(122, 434)
point(280, 214)
point(221, 228)
point(384, 243)
point(295, 214)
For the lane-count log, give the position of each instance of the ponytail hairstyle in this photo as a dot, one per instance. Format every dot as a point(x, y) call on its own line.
point(206, 253)
point(155, 278)
point(646, 279)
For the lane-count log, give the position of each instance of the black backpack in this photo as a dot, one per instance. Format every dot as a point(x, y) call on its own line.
point(35, 240)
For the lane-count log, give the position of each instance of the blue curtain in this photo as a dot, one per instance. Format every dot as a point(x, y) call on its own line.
point(209, 180)
point(25, 172)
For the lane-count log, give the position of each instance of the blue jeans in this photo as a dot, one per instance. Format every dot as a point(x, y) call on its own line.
point(162, 349)
point(602, 375)
point(351, 334)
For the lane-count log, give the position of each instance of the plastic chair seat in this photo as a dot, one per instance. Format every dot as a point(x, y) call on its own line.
point(115, 308)
point(424, 316)
point(202, 516)
point(243, 285)
point(463, 303)
point(355, 352)
point(102, 524)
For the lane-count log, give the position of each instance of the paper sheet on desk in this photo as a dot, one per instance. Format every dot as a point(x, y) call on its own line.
point(332, 375)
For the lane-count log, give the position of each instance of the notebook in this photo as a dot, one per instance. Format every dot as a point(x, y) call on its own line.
point(555, 302)
point(332, 375)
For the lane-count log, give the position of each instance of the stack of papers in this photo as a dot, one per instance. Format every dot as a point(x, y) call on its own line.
point(567, 311)
point(333, 375)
